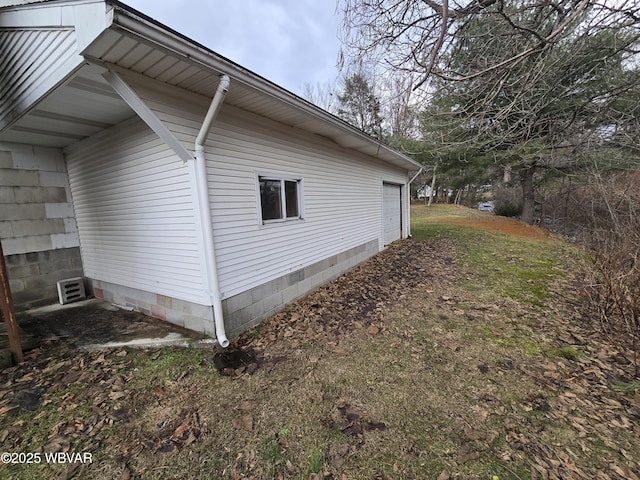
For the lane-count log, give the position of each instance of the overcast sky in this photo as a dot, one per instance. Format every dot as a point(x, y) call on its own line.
point(290, 42)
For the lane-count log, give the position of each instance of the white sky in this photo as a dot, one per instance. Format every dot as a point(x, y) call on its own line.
point(290, 42)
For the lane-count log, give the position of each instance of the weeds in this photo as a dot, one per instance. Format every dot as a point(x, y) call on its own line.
point(566, 352)
point(630, 388)
point(315, 459)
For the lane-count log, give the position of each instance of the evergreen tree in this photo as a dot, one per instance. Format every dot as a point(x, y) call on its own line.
point(359, 106)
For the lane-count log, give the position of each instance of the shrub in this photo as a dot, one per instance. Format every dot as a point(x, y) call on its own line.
point(610, 215)
point(508, 209)
point(507, 201)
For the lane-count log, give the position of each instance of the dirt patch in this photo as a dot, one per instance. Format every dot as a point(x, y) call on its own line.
point(503, 225)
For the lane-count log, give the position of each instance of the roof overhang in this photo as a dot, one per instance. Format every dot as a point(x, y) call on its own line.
point(136, 42)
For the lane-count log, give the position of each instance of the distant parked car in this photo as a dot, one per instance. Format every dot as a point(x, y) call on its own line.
point(486, 206)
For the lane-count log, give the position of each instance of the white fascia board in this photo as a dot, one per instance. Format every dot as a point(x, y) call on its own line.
point(146, 114)
point(87, 17)
point(199, 55)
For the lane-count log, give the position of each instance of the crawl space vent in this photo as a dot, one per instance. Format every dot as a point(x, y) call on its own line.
point(71, 290)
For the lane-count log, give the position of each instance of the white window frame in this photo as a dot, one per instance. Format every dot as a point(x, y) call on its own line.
point(281, 177)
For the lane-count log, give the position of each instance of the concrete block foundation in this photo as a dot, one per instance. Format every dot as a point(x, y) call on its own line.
point(244, 310)
point(249, 308)
point(33, 276)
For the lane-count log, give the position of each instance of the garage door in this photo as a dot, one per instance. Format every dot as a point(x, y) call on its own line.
point(392, 212)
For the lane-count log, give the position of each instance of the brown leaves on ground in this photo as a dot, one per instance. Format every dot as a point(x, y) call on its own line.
point(448, 361)
point(54, 375)
point(356, 303)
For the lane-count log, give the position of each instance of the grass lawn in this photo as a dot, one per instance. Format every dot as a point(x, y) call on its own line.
point(460, 353)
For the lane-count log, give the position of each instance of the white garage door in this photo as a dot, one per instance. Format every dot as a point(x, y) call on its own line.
point(392, 212)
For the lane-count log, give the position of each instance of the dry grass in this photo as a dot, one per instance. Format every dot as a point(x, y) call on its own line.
point(426, 362)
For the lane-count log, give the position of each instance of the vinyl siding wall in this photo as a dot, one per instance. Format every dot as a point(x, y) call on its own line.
point(342, 199)
point(342, 189)
point(134, 211)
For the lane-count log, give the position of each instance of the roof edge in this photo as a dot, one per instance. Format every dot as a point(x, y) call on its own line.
point(141, 24)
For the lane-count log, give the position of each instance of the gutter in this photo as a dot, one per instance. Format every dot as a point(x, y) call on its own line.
point(211, 266)
point(415, 176)
point(127, 20)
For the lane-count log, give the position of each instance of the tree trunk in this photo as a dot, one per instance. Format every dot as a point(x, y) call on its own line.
point(506, 176)
point(433, 184)
point(528, 197)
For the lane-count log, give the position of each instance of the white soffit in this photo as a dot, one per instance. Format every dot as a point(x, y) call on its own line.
point(144, 46)
point(118, 35)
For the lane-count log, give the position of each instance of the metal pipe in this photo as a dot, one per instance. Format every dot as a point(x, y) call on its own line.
point(415, 176)
point(213, 287)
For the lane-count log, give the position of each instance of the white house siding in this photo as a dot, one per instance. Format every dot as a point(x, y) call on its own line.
point(342, 199)
point(342, 189)
point(134, 210)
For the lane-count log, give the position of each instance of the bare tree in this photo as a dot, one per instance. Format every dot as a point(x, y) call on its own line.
point(414, 35)
point(529, 82)
point(399, 106)
point(322, 95)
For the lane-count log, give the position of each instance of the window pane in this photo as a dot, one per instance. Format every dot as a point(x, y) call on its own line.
point(270, 199)
point(291, 198)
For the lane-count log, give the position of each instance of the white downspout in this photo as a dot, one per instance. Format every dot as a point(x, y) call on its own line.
point(211, 266)
point(408, 196)
point(415, 176)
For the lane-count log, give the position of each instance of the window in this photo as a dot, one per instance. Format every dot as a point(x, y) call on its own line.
point(280, 198)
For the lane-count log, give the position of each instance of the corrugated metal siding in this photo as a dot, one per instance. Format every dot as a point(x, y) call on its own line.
point(342, 189)
point(27, 65)
point(134, 211)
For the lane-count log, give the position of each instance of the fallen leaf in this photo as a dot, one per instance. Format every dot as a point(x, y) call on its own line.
point(244, 422)
point(452, 346)
point(353, 429)
point(116, 395)
point(466, 453)
point(372, 330)
point(444, 475)
point(248, 405)
point(8, 408)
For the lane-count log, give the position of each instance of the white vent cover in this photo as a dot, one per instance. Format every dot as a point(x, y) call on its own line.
point(71, 290)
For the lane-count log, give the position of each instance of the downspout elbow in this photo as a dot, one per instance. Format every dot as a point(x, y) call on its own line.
point(415, 176)
point(212, 113)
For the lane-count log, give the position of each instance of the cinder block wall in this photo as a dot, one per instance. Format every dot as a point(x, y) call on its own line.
point(249, 308)
point(37, 223)
point(242, 311)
